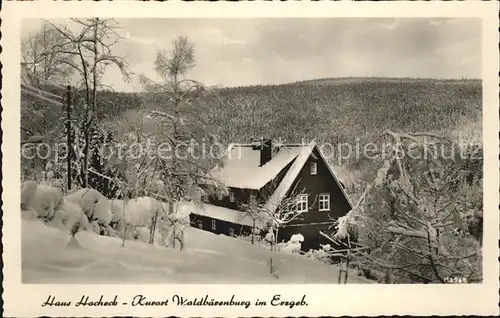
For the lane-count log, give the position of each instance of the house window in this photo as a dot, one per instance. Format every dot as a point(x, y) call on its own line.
point(220, 196)
point(200, 224)
point(252, 198)
point(302, 203)
point(324, 202)
point(231, 196)
point(214, 223)
point(314, 168)
point(231, 231)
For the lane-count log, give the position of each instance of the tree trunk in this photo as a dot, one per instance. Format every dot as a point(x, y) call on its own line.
point(253, 231)
point(171, 210)
point(276, 238)
point(153, 229)
point(124, 234)
point(124, 222)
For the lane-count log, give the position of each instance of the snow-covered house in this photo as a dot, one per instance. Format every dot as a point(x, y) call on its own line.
point(269, 173)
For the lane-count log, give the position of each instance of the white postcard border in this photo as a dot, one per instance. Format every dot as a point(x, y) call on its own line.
point(22, 300)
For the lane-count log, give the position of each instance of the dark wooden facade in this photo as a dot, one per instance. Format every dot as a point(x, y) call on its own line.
point(221, 227)
point(309, 224)
point(314, 185)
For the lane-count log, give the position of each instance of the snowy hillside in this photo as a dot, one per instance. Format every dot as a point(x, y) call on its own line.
point(208, 258)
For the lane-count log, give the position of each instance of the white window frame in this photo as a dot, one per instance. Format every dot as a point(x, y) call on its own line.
point(324, 198)
point(302, 203)
point(313, 166)
point(220, 196)
point(231, 231)
point(231, 197)
point(214, 225)
point(200, 224)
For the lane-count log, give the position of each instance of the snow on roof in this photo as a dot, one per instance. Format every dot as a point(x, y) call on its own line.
point(241, 166)
point(241, 170)
point(221, 213)
point(285, 185)
point(289, 178)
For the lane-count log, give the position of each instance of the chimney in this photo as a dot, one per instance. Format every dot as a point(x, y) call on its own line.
point(265, 151)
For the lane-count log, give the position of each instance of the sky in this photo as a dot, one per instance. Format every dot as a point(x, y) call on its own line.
point(241, 52)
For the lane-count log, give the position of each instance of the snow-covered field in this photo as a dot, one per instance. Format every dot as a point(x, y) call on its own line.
point(207, 258)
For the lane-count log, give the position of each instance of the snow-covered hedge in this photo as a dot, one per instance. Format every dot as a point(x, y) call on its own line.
point(40, 199)
point(321, 255)
point(139, 212)
point(88, 210)
point(95, 205)
point(293, 245)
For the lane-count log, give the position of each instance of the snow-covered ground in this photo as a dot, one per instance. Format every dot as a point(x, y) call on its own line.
point(207, 258)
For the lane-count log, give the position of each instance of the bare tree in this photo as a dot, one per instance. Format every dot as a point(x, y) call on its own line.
point(279, 213)
point(276, 212)
point(178, 109)
point(87, 49)
point(415, 220)
point(252, 211)
point(40, 62)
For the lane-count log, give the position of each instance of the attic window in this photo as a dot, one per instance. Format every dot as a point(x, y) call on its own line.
point(314, 168)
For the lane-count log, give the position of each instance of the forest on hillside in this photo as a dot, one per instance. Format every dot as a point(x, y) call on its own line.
point(406, 211)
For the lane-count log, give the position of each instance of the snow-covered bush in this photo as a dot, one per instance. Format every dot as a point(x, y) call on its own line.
point(68, 212)
point(81, 224)
point(117, 208)
point(269, 238)
point(28, 214)
point(109, 231)
point(173, 236)
point(46, 200)
point(325, 247)
point(257, 239)
point(28, 192)
point(93, 227)
point(94, 204)
point(56, 183)
point(289, 247)
point(143, 234)
point(181, 212)
point(102, 212)
point(293, 245)
point(140, 211)
point(321, 255)
point(297, 238)
point(56, 222)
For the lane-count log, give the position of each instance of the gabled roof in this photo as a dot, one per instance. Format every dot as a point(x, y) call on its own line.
point(241, 170)
point(241, 166)
point(285, 185)
point(293, 173)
